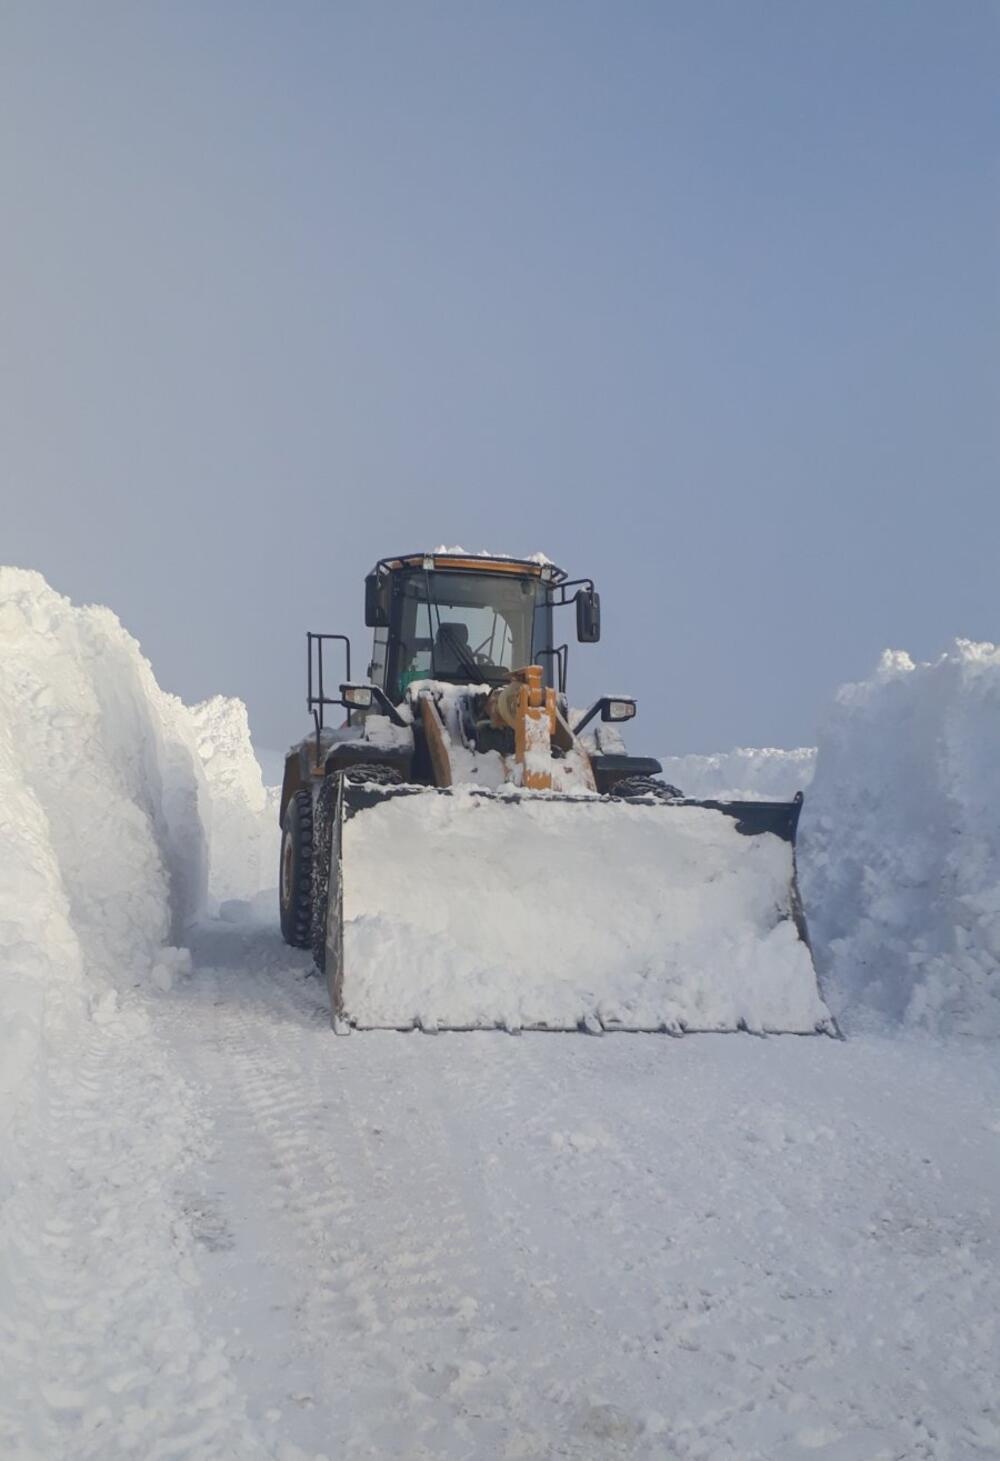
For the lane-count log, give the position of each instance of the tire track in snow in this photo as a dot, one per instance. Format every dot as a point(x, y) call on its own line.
point(488, 1246)
point(298, 1240)
point(721, 1211)
point(109, 1270)
point(365, 1195)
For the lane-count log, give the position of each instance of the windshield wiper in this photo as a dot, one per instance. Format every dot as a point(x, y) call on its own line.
point(460, 650)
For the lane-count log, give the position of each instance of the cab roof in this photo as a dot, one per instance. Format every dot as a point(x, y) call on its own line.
point(459, 561)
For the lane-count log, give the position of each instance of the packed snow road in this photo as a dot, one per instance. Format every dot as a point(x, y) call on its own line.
point(499, 1246)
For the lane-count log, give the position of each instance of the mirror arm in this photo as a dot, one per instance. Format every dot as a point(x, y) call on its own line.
point(560, 589)
point(386, 706)
point(588, 715)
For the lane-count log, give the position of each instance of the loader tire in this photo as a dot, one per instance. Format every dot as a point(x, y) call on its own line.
point(325, 806)
point(633, 787)
point(295, 871)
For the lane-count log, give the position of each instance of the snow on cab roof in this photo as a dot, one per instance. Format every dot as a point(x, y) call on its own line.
point(542, 559)
point(452, 557)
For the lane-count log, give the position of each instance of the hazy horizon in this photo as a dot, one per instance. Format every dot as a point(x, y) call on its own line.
point(699, 299)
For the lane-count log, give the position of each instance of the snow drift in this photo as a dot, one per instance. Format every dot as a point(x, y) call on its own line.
point(104, 844)
point(900, 845)
point(121, 812)
point(242, 815)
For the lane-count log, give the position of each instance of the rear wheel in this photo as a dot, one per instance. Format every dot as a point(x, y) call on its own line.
point(632, 788)
point(325, 806)
point(295, 871)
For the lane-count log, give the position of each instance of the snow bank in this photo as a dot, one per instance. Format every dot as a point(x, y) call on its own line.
point(900, 845)
point(272, 767)
point(104, 789)
point(242, 817)
point(102, 848)
point(105, 816)
point(745, 774)
point(121, 811)
point(527, 911)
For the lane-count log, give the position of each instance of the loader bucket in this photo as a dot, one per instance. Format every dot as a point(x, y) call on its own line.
point(462, 909)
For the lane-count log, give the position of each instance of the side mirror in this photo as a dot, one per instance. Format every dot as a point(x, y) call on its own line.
point(376, 609)
point(610, 709)
point(588, 616)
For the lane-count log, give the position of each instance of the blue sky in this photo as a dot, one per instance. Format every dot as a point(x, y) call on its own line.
point(701, 299)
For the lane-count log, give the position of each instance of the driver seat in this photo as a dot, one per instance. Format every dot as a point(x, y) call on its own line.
point(449, 634)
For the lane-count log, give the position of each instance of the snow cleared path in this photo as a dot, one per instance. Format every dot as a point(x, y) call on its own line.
point(498, 1246)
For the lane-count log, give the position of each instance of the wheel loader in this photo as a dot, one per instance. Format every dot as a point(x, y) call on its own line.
point(465, 850)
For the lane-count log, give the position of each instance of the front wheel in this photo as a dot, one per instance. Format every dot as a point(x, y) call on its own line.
point(326, 803)
point(632, 788)
point(295, 874)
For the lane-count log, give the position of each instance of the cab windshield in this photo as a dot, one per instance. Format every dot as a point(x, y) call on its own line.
point(469, 628)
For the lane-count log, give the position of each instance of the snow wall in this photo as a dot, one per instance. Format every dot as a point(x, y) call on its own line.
point(122, 812)
point(900, 846)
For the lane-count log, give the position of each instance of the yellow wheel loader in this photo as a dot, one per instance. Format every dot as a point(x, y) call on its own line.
point(465, 851)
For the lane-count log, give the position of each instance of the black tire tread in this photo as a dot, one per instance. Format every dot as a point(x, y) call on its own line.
point(296, 919)
point(631, 788)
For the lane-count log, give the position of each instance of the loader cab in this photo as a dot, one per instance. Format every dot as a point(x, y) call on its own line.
point(459, 620)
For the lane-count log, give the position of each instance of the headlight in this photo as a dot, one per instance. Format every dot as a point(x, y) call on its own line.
point(621, 709)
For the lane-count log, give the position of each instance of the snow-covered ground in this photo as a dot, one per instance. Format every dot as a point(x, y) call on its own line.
point(488, 1246)
point(226, 1233)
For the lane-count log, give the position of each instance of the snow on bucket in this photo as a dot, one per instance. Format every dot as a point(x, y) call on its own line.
point(464, 910)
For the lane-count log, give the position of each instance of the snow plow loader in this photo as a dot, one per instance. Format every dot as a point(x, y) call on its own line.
point(465, 851)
